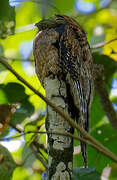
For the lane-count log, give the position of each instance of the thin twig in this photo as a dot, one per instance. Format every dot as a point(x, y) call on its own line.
point(33, 145)
point(61, 134)
point(56, 133)
point(43, 132)
point(38, 156)
point(99, 45)
point(16, 128)
point(20, 130)
point(105, 151)
point(18, 59)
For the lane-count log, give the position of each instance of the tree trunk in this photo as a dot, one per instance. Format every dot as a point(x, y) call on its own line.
point(60, 148)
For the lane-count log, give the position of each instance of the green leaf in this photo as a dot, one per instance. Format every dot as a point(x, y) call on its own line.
point(96, 113)
point(114, 99)
point(3, 97)
point(93, 1)
point(7, 164)
point(5, 132)
point(106, 135)
point(7, 19)
point(2, 68)
point(28, 157)
point(110, 66)
point(20, 173)
point(55, 7)
point(1, 50)
point(25, 111)
point(113, 5)
point(15, 93)
point(113, 174)
point(64, 6)
point(85, 174)
point(29, 137)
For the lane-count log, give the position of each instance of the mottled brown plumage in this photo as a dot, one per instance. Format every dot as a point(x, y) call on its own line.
point(61, 50)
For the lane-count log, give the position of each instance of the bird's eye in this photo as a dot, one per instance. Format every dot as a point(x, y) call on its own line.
point(59, 18)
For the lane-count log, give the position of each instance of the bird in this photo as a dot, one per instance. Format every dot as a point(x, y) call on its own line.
point(61, 50)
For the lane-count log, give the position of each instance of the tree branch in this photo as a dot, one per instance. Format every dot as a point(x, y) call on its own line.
point(99, 45)
point(38, 156)
point(104, 98)
point(61, 134)
point(64, 115)
point(18, 59)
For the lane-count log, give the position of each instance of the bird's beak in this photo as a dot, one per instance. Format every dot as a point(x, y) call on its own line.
point(46, 23)
point(38, 25)
point(42, 24)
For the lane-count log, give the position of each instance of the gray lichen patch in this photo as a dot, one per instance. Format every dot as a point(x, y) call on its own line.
point(61, 173)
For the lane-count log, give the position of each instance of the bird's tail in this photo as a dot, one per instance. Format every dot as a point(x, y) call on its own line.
point(84, 153)
point(84, 123)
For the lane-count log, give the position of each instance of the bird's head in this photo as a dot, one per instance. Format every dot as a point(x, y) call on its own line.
point(51, 22)
point(57, 20)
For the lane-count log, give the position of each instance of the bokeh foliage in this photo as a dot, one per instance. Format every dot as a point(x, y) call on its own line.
point(16, 34)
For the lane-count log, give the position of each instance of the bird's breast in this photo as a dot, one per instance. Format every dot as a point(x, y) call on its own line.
point(46, 54)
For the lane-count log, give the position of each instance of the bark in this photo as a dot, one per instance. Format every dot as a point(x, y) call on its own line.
point(105, 101)
point(100, 87)
point(60, 148)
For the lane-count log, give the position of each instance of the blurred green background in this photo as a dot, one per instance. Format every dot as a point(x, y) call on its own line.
point(17, 31)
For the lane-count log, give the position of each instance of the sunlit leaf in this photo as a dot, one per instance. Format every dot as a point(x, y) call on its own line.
point(33, 126)
point(3, 96)
point(20, 173)
point(29, 137)
point(114, 99)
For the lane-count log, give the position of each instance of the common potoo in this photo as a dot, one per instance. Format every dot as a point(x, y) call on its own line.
point(61, 50)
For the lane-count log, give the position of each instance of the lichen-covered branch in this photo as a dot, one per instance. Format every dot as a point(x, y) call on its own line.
point(60, 148)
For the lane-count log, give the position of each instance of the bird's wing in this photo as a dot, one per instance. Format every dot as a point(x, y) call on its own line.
point(76, 70)
point(76, 65)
